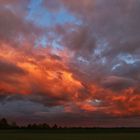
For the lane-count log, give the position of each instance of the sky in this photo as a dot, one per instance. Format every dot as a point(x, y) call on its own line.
point(74, 63)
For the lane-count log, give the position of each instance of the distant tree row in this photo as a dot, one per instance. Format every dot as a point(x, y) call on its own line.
point(5, 125)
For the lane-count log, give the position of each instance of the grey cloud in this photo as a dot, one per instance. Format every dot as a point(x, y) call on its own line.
point(117, 83)
point(115, 24)
point(10, 68)
point(14, 28)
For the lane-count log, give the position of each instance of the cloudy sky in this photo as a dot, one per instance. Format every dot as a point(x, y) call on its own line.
point(70, 62)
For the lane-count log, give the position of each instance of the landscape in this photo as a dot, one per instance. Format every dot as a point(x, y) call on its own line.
point(70, 69)
point(44, 131)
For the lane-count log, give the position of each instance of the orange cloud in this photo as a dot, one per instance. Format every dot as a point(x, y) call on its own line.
point(39, 71)
point(50, 76)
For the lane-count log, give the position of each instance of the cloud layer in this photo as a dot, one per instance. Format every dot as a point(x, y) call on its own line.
point(84, 68)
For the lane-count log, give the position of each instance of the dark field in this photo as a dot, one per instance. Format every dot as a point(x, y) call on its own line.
point(67, 135)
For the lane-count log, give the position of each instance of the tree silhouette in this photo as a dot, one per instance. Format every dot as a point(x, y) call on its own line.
point(55, 126)
point(43, 126)
point(4, 124)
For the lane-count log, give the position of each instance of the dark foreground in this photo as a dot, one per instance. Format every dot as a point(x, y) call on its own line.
point(78, 134)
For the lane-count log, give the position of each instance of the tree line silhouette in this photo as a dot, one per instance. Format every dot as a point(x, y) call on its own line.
point(4, 124)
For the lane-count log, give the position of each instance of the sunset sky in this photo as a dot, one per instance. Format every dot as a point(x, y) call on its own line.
point(70, 62)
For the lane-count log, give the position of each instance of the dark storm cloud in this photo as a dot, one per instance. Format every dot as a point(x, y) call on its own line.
point(9, 68)
point(9, 73)
point(30, 112)
point(117, 83)
point(2, 96)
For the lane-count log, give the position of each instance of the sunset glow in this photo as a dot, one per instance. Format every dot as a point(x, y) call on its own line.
point(75, 63)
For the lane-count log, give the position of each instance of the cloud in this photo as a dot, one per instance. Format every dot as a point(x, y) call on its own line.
point(9, 68)
point(8, 1)
point(94, 72)
point(14, 28)
point(117, 83)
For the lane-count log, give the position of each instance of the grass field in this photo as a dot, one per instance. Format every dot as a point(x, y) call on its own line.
point(7, 135)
